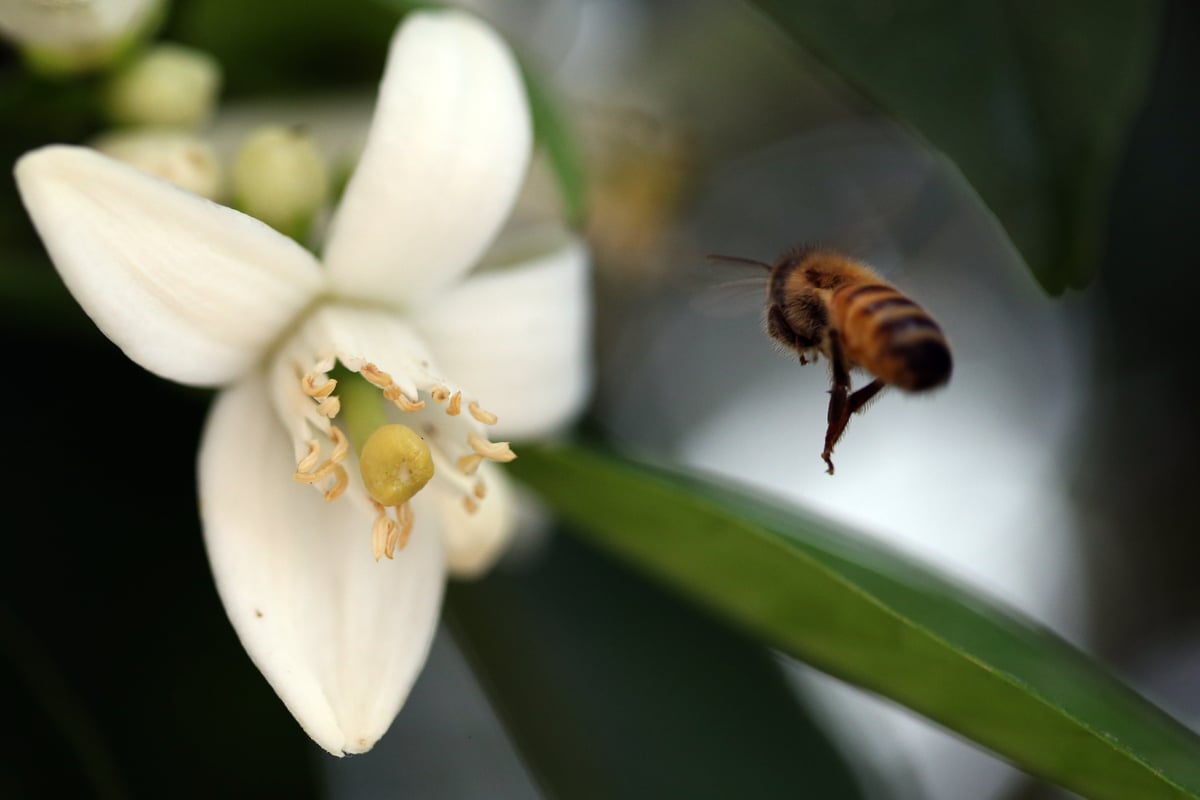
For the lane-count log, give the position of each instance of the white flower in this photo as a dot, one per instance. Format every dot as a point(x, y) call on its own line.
point(204, 295)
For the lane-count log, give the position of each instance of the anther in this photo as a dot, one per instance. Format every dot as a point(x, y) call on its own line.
point(339, 484)
point(439, 393)
point(496, 451)
point(469, 463)
point(309, 384)
point(376, 376)
point(329, 407)
point(470, 505)
point(480, 490)
point(341, 445)
point(486, 417)
point(394, 394)
point(455, 404)
point(381, 531)
point(311, 459)
point(317, 475)
point(404, 515)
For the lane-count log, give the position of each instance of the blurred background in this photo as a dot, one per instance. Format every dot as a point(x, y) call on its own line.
point(1053, 473)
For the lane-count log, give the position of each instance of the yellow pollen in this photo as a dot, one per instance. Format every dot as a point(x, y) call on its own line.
point(486, 417)
point(496, 451)
point(455, 404)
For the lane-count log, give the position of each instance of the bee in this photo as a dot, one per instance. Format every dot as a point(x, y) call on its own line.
point(820, 302)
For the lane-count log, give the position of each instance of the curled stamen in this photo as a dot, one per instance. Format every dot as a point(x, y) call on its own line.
point(339, 484)
point(469, 463)
point(341, 446)
point(439, 393)
point(317, 475)
point(394, 394)
point(496, 451)
point(376, 376)
point(404, 515)
point(480, 490)
point(329, 407)
point(381, 531)
point(455, 404)
point(311, 459)
point(309, 385)
point(486, 417)
point(470, 505)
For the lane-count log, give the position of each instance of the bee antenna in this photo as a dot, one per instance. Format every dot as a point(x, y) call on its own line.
point(739, 260)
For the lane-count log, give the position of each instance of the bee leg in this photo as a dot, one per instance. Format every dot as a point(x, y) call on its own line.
point(839, 398)
point(781, 331)
point(860, 398)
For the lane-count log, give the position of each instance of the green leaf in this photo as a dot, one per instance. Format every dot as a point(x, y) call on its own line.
point(611, 687)
point(1032, 101)
point(871, 617)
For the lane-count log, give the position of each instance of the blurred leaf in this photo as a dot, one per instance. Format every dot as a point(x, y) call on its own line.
point(867, 615)
point(613, 688)
point(555, 136)
point(1033, 101)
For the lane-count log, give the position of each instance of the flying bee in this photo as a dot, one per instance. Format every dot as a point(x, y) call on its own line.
point(820, 302)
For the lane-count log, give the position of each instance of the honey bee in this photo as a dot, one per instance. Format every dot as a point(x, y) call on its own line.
point(820, 302)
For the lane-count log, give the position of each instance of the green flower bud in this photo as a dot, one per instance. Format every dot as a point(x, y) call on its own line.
point(280, 177)
point(168, 85)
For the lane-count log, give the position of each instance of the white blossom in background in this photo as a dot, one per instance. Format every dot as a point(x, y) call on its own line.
point(75, 34)
point(185, 159)
point(204, 295)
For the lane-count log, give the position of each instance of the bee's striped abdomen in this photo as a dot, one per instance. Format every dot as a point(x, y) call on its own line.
point(891, 337)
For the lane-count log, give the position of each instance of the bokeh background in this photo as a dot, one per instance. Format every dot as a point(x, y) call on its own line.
point(1055, 473)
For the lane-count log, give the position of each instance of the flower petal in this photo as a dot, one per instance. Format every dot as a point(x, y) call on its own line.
point(340, 637)
point(475, 539)
point(191, 290)
point(447, 152)
point(519, 336)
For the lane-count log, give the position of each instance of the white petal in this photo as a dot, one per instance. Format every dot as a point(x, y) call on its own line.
point(474, 540)
point(191, 290)
point(447, 152)
point(340, 637)
point(520, 338)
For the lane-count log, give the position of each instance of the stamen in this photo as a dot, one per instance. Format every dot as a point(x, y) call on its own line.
point(381, 531)
point(341, 446)
point(329, 407)
point(480, 490)
point(470, 505)
point(455, 404)
point(404, 515)
point(394, 394)
point(308, 383)
point(376, 376)
point(496, 451)
point(319, 474)
point(439, 393)
point(469, 463)
point(486, 417)
point(312, 458)
point(339, 485)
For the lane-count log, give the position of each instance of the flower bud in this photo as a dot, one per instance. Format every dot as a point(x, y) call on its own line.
point(280, 177)
point(168, 85)
point(182, 158)
point(62, 37)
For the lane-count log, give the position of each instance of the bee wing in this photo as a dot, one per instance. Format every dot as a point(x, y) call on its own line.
point(722, 286)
